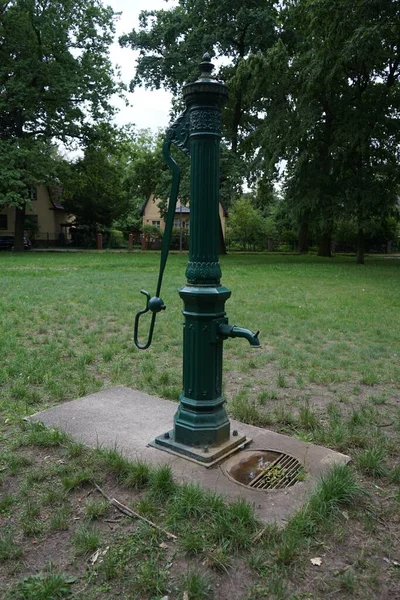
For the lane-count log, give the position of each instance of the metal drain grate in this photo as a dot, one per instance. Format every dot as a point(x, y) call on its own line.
point(281, 473)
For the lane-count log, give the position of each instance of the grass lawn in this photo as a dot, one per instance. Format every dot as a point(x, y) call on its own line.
point(328, 372)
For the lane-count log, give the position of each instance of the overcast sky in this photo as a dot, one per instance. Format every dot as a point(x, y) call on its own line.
point(149, 109)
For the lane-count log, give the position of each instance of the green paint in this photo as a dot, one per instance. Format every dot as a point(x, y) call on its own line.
point(201, 420)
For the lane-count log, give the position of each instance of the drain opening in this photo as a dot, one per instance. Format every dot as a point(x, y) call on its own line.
point(266, 470)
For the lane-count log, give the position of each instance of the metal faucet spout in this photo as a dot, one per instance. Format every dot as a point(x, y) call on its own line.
point(232, 331)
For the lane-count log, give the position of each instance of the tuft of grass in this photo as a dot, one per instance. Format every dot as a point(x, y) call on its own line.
point(29, 521)
point(9, 550)
point(94, 509)
point(336, 489)
point(137, 474)
point(192, 540)
point(37, 434)
point(246, 410)
point(86, 540)
point(61, 519)
point(218, 558)
point(308, 419)
point(394, 475)
point(134, 473)
point(161, 482)
point(232, 526)
point(6, 502)
point(371, 461)
point(76, 480)
point(267, 395)
point(150, 579)
point(196, 585)
point(189, 501)
point(281, 380)
point(13, 463)
point(43, 586)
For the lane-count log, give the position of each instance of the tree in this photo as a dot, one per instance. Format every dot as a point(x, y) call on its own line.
point(55, 80)
point(330, 89)
point(171, 44)
point(93, 189)
point(247, 227)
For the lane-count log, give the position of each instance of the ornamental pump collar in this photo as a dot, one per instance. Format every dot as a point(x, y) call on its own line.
point(201, 428)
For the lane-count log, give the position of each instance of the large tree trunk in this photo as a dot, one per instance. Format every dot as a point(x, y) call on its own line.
point(19, 229)
point(360, 247)
point(325, 244)
point(303, 238)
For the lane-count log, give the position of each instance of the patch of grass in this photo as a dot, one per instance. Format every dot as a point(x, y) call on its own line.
point(189, 501)
point(134, 473)
point(37, 434)
point(86, 540)
point(394, 475)
point(267, 395)
point(192, 540)
point(44, 586)
point(9, 550)
point(371, 461)
point(246, 410)
point(60, 520)
point(6, 502)
point(161, 482)
point(29, 521)
point(281, 380)
point(377, 399)
point(94, 509)
point(232, 526)
point(196, 585)
point(218, 558)
point(13, 463)
point(308, 419)
point(338, 488)
point(150, 578)
point(77, 480)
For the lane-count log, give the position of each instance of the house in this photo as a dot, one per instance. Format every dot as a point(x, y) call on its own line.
point(46, 222)
point(151, 216)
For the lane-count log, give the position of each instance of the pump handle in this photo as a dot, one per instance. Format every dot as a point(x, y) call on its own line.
point(177, 134)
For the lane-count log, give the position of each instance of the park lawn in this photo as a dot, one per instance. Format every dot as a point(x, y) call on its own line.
point(328, 372)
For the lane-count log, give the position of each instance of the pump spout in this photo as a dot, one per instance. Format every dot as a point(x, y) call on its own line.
point(232, 331)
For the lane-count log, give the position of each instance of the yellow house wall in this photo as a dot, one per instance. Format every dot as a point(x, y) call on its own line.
point(152, 213)
point(49, 220)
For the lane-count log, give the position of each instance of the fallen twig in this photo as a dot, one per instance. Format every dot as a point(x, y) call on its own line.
point(131, 513)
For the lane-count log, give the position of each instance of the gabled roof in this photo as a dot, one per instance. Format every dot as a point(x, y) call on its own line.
point(55, 194)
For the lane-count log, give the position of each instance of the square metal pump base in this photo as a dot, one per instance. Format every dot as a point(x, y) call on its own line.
point(207, 455)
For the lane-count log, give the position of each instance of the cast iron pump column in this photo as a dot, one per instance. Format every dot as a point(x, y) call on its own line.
point(201, 424)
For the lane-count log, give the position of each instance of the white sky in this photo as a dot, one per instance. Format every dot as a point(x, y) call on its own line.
point(148, 109)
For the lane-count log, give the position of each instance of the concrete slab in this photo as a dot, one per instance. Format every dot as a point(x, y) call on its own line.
point(128, 420)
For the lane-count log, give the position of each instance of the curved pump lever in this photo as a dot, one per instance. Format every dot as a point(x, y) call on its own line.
point(154, 304)
point(178, 134)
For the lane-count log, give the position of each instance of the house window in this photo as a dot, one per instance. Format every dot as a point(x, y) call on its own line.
point(177, 223)
point(32, 192)
point(3, 222)
point(156, 223)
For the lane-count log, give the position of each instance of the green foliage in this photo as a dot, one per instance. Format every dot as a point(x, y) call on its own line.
point(246, 226)
point(62, 81)
point(171, 44)
point(151, 233)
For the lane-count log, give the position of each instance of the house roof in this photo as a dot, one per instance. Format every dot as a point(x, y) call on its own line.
point(55, 194)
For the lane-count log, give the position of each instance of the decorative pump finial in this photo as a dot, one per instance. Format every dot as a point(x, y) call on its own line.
point(206, 67)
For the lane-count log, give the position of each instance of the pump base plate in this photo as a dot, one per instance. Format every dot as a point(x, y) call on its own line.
point(206, 456)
